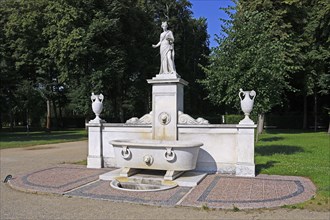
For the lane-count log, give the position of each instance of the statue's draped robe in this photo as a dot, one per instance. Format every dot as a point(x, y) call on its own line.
point(167, 53)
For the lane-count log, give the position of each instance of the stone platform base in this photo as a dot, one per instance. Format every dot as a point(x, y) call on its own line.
point(214, 191)
point(189, 179)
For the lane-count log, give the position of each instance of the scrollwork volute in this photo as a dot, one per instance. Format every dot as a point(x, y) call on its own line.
point(188, 120)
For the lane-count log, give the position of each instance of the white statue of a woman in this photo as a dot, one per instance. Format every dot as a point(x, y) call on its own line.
point(166, 44)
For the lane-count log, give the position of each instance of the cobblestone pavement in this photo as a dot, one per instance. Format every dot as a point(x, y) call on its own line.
point(216, 191)
point(66, 191)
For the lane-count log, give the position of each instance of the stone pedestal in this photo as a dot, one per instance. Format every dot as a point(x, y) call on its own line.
point(95, 145)
point(167, 100)
point(245, 151)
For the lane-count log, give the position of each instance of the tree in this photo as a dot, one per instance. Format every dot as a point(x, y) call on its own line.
point(8, 75)
point(22, 45)
point(97, 47)
point(29, 103)
point(66, 49)
point(255, 52)
point(317, 50)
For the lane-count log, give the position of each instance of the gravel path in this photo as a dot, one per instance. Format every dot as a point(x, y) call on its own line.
point(19, 205)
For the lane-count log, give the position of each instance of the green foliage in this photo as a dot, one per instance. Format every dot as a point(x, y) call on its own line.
point(235, 119)
point(255, 53)
point(273, 47)
point(67, 49)
point(317, 47)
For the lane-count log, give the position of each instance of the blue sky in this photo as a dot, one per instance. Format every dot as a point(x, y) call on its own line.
point(210, 10)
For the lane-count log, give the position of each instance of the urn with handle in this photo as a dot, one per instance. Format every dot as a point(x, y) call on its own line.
point(247, 101)
point(97, 107)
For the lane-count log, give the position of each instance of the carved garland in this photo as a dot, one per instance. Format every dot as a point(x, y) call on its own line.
point(184, 119)
point(144, 120)
point(188, 120)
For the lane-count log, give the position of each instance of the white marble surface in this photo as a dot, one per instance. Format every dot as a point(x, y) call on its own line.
point(166, 52)
point(167, 99)
point(165, 155)
point(227, 148)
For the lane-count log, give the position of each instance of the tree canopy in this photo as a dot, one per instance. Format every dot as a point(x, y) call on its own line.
point(273, 47)
point(55, 53)
point(66, 49)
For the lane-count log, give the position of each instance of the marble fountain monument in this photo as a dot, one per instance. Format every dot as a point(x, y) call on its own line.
point(167, 139)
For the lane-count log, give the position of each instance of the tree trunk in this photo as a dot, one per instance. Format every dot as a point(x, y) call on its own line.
point(121, 93)
point(0, 120)
point(260, 125)
point(60, 116)
point(305, 113)
point(55, 114)
point(86, 121)
point(48, 116)
point(27, 122)
point(11, 116)
point(121, 112)
point(315, 111)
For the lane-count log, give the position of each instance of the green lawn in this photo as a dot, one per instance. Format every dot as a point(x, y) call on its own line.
point(22, 139)
point(297, 153)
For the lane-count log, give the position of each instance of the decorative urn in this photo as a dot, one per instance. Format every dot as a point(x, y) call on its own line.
point(97, 107)
point(247, 101)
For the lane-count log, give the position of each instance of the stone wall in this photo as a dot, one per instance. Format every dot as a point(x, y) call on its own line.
point(227, 149)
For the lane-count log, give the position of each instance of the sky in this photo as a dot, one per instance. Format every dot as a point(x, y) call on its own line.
point(210, 10)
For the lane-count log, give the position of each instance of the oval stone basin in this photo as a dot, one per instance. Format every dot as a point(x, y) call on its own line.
point(141, 185)
point(156, 154)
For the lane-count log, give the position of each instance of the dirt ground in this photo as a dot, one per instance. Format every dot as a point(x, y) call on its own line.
point(21, 205)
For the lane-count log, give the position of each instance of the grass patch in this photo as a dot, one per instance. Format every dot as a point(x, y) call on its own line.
point(22, 139)
point(81, 162)
point(297, 153)
point(205, 207)
point(235, 209)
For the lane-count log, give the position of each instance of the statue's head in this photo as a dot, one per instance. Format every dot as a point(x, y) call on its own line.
point(164, 24)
